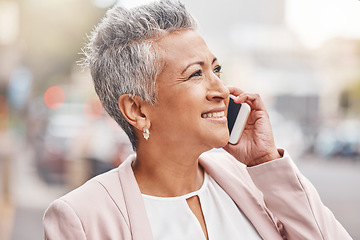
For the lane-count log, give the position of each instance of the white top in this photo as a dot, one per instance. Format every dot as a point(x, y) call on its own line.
point(171, 218)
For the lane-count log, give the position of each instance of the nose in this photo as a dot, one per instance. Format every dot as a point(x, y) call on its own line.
point(217, 90)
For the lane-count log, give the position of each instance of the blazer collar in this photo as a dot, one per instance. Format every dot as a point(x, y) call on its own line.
point(135, 207)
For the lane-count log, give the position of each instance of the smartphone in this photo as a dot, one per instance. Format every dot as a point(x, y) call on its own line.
point(237, 116)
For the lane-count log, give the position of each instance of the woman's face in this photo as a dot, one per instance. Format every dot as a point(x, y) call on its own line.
point(192, 100)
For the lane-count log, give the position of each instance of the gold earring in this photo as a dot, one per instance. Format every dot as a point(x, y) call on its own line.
point(146, 133)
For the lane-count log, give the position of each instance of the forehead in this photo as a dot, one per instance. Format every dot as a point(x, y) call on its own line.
point(183, 46)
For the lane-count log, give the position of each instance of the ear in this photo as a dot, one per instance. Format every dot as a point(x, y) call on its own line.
point(130, 107)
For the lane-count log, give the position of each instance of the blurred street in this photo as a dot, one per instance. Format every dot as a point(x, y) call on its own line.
point(30, 197)
point(337, 181)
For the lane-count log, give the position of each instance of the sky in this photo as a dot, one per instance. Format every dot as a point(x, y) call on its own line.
point(315, 21)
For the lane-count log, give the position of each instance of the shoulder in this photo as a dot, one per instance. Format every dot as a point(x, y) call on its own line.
point(59, 217)
point(96, 189)
point(104, 190)
point(99, 201)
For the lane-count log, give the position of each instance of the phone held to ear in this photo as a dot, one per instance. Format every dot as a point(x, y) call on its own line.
point(237, 116)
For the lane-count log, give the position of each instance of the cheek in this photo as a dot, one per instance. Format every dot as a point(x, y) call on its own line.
point(179, 115)
point(187, 99)
point(183, 102)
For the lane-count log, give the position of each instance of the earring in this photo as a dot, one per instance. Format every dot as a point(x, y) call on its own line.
point(146, 133)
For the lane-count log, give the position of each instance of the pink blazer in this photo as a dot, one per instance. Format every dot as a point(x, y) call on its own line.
point(275, 197)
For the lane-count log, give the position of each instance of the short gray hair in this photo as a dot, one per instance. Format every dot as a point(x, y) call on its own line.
point(121, 53)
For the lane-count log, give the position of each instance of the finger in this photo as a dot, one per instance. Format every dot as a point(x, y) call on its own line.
point(235, 91)
point(253, 99)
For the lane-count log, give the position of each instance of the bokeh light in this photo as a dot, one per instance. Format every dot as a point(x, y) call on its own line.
point(54, 97)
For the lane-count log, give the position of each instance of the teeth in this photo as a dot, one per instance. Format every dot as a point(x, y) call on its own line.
point(213, 115)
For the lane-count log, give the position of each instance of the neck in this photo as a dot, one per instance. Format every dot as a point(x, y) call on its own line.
point(167, 173)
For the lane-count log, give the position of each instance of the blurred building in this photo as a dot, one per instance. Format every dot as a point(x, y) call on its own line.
point(339, 61)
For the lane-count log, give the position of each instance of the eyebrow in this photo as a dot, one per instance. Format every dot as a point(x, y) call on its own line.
point(201, 63)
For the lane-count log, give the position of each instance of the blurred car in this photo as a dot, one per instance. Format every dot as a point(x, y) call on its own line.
point(342, 139)
point(288, 134)
point(63, 125)
point(76, 147)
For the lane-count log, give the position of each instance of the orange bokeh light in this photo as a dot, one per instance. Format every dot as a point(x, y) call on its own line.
point(4, 114)
point(54, 97)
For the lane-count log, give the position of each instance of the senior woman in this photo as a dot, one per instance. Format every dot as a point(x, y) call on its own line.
point(157, 78)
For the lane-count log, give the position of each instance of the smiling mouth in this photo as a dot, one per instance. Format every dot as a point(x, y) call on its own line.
point(213, 115)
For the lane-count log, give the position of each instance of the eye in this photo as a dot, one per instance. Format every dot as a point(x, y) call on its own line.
point(196, 74)
point(217, 69)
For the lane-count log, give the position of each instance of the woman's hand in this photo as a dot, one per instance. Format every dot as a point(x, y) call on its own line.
point(256, 143)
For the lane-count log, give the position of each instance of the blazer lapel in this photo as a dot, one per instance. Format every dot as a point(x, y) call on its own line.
point(139, 223)
point(242, 196)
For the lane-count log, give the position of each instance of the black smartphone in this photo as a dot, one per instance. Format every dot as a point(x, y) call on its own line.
point(237, 116)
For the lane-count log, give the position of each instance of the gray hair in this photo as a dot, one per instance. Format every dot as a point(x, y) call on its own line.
point(121, 53)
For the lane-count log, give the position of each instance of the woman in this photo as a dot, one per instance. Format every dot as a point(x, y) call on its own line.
point(157, 78)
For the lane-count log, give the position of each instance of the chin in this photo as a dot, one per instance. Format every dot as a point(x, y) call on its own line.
point(222, 141)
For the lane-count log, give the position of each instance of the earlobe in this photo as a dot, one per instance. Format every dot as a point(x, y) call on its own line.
point(130, 108)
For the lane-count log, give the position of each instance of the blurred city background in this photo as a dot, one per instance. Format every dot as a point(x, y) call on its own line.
point(302, 56)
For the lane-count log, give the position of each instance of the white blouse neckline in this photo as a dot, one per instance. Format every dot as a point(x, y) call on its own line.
point(185, 196)
point(172, 218)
